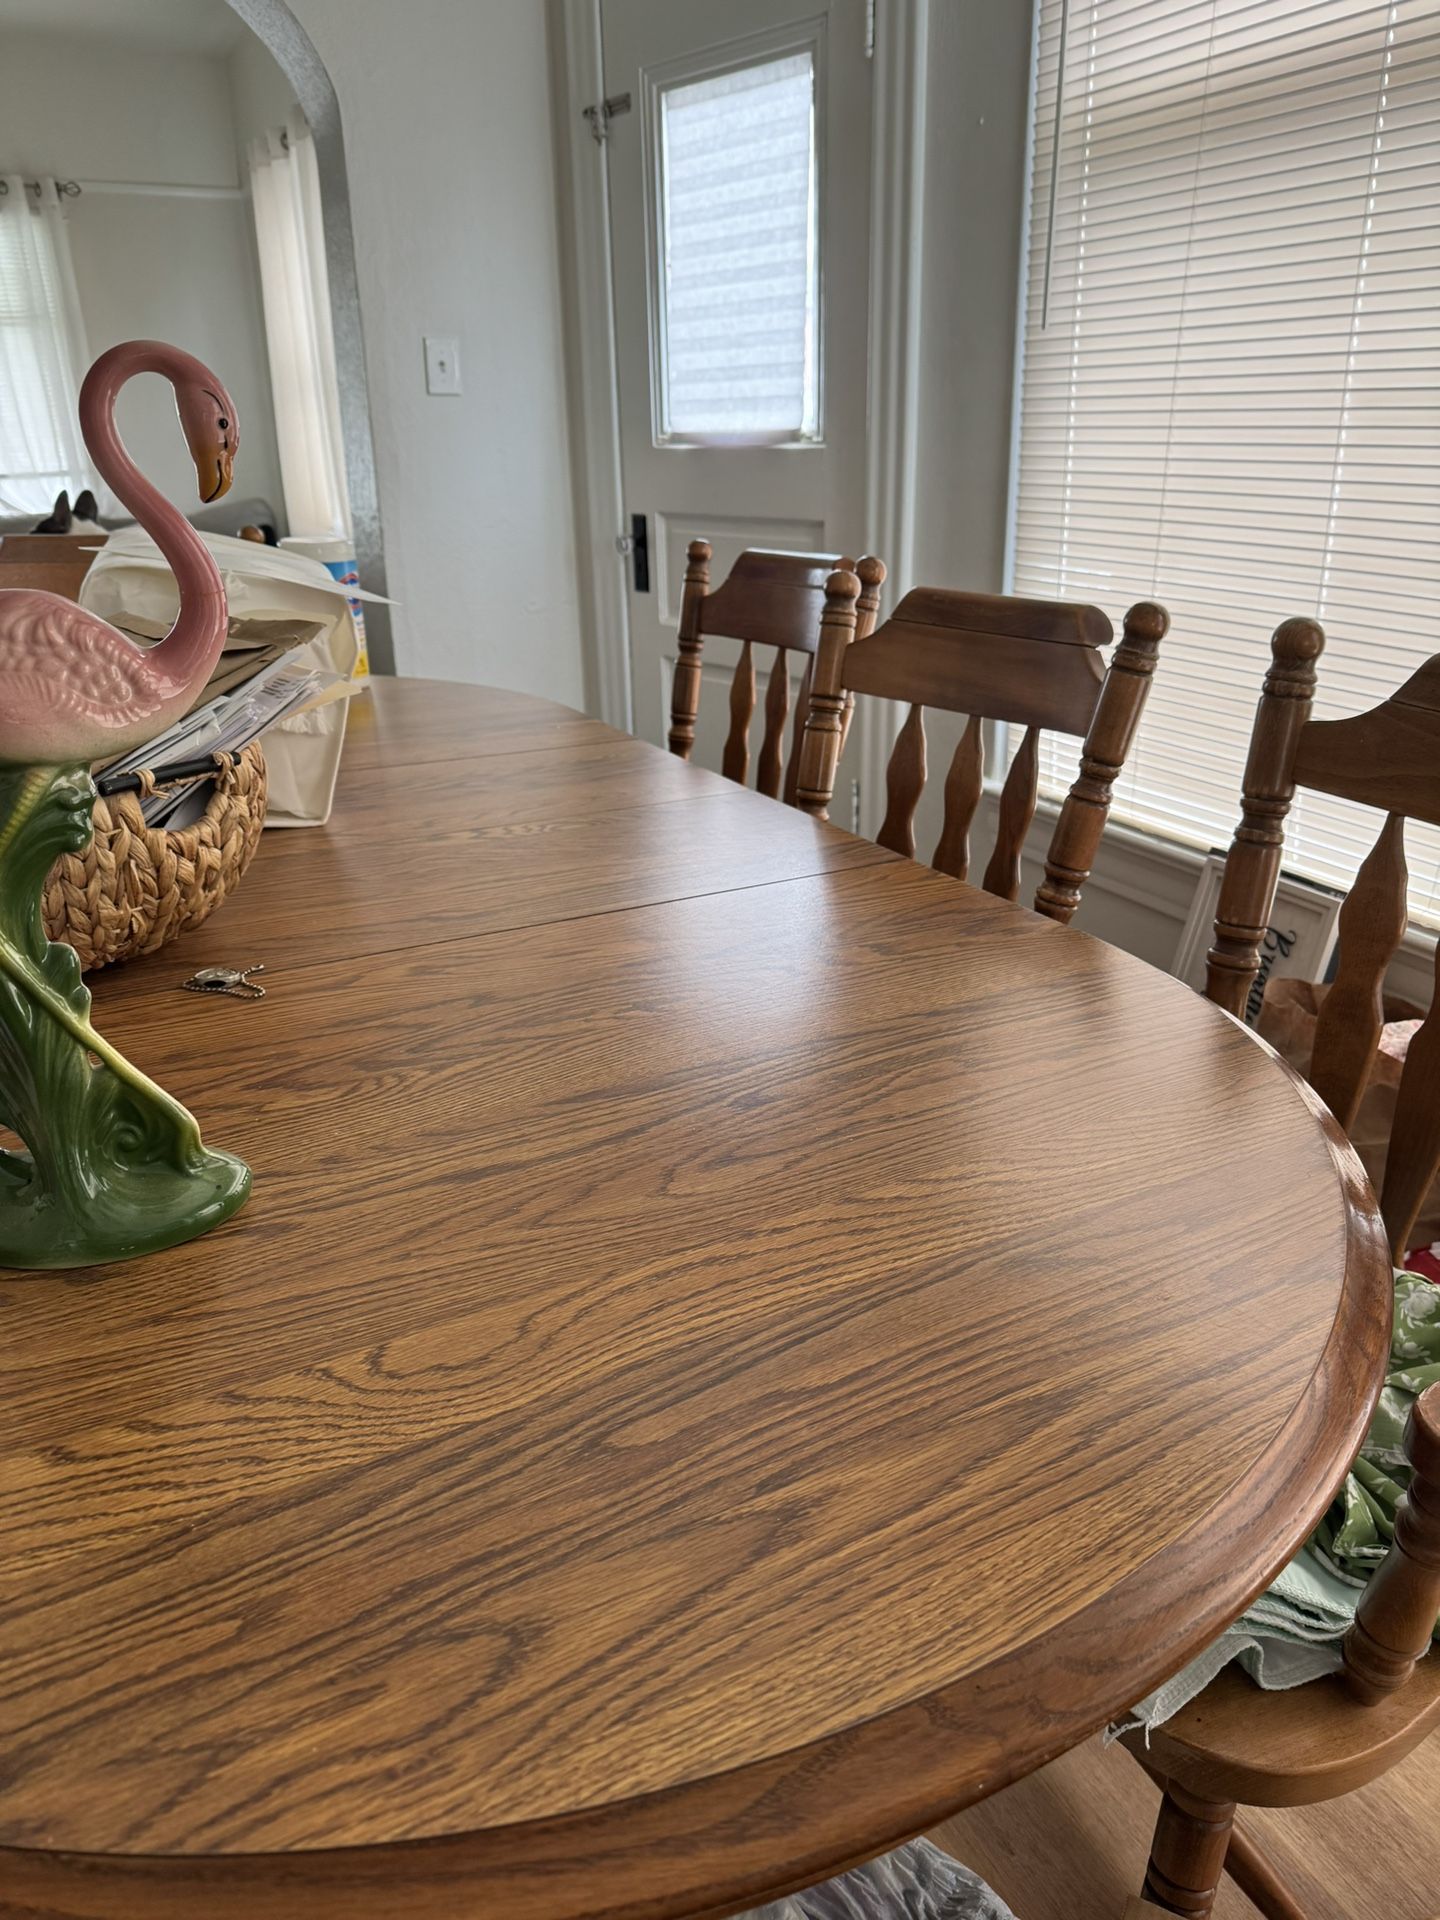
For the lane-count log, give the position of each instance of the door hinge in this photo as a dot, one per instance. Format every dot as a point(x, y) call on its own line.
point(600, 116)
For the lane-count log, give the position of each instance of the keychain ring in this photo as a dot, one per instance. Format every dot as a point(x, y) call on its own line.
point(234, 981)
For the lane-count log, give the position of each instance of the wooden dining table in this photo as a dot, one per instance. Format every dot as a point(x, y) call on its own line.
point(740, 1346)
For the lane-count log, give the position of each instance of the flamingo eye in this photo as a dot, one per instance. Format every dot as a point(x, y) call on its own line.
point(222, 421)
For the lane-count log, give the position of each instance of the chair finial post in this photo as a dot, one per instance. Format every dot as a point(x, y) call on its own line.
point(685, 691)
point(1253, 865)
point(871, 574)
point(825, 721)
point(1108, 739)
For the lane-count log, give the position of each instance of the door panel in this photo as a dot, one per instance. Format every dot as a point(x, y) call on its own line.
point(729, 535)
point(722, 86)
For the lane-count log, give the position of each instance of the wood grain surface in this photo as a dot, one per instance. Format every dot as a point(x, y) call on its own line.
point(1069, 1843)
point(1308, 1744)
point(740, 1347)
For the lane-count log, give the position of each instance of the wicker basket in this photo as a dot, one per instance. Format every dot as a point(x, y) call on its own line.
point(135, 887)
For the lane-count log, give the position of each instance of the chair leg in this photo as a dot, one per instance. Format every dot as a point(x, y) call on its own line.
point(1257, 1879)
point(1187, 1858)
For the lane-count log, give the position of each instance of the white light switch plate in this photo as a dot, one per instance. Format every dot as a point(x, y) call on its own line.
point(442, 363)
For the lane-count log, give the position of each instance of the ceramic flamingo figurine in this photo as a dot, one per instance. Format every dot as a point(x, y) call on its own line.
point(75, 689)
point(115, 1167)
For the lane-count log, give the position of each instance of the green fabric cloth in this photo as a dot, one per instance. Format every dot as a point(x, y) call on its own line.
point(1355, 1534)
point(1292, 1633)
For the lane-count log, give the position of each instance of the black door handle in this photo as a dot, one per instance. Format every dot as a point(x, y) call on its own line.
point(640, 552)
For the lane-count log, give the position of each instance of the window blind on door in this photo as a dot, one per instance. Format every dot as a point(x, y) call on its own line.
point(1230, 393)
point(738, 253)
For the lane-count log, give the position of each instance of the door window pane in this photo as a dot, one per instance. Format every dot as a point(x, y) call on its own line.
point(739, 280)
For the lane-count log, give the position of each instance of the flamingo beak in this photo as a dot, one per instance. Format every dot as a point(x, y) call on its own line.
point(214, 462)
point(224, 472)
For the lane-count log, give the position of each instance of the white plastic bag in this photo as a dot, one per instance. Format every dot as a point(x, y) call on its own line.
point(915, 1882)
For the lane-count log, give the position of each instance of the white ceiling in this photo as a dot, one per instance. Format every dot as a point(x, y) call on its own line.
point(182, 26)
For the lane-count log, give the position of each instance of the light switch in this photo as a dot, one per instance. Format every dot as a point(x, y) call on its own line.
point(442, 363)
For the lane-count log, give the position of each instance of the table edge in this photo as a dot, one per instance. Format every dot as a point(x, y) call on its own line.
point(728, 1841)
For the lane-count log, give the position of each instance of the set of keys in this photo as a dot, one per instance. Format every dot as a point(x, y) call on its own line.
point(235, 981)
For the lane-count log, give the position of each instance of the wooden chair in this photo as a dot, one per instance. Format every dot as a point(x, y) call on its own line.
point(1234, 1744)
point(768, 600)
point(1035, 663)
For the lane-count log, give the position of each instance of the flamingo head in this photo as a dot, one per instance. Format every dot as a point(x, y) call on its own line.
point(212, 432)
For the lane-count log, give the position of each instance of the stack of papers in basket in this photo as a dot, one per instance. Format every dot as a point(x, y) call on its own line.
point(223, 724)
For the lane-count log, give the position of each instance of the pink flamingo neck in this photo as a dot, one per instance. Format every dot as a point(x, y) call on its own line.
point(189, 651)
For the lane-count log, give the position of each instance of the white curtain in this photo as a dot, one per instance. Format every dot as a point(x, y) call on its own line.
point(43, 355)
point(285, 191)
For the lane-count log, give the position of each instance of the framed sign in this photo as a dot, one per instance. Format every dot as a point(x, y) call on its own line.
point(1298, 942)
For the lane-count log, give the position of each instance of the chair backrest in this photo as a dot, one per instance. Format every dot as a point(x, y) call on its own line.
point(767, 600)
point(1388, 758)
point(1034, 663)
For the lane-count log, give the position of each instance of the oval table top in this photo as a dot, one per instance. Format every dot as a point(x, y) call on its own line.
point(740, 1346)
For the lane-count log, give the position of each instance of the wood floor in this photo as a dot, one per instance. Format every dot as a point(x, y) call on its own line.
point(1070, 1843)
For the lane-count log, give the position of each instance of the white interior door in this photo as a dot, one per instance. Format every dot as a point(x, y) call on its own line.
point(739, 201)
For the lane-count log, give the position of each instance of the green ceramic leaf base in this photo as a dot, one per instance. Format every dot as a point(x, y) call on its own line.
point(114, 1166)
point(139, 1211)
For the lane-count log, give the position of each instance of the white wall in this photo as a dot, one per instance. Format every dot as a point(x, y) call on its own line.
point(977, 103)
point(446, 109)
point(175, 269)
point(79, 105)
point(975, 162)
point(260, 95)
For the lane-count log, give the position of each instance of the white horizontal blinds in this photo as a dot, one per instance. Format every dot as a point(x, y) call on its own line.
point(738, 245)
point(1231, 380)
